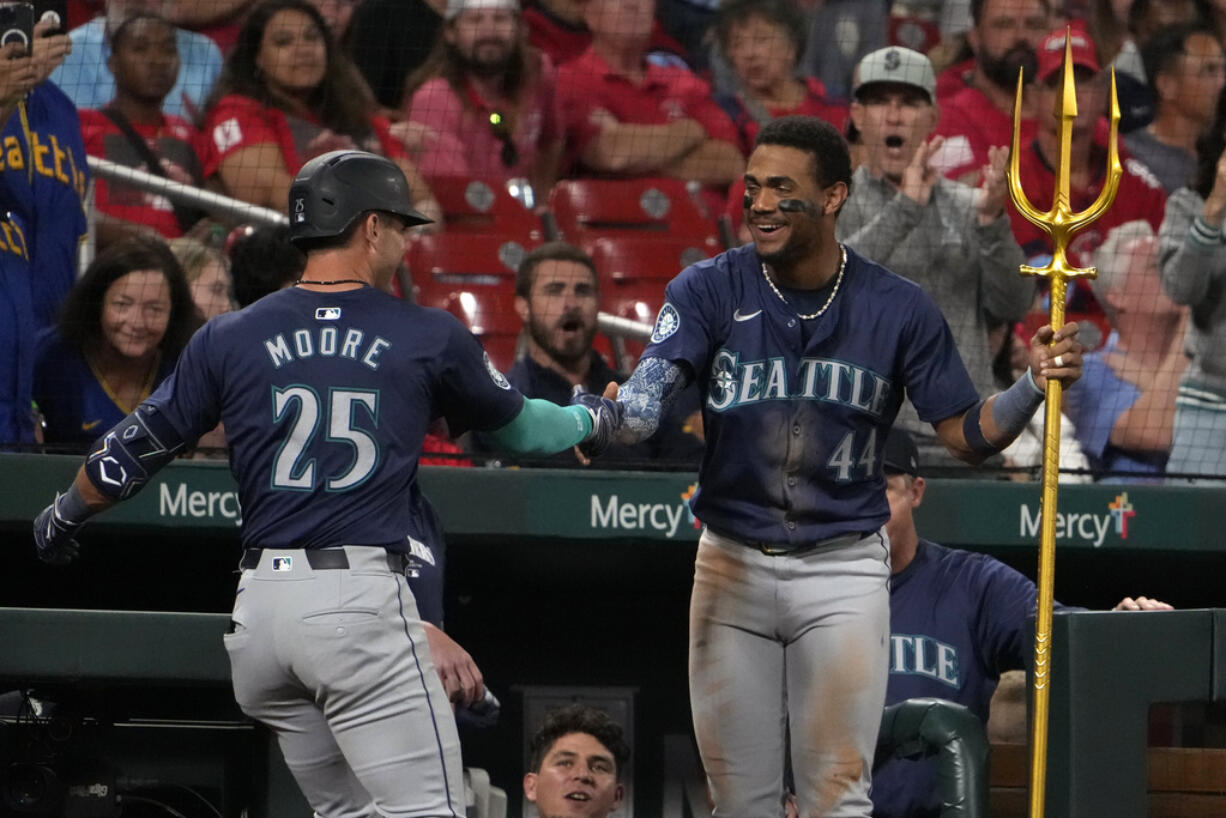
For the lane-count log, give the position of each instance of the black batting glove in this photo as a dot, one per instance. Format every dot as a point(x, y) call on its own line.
point(607, 418)
point(55, 526)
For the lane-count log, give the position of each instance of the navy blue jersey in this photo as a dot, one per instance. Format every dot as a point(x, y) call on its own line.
point(43, 175)
point(796, 411)
point(957, 621)
point(326, 398)
point(17, 333)
point(76, 403)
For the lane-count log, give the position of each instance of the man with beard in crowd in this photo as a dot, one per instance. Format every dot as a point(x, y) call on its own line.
point(557, 292)
point(979, 115)
point(485, 100)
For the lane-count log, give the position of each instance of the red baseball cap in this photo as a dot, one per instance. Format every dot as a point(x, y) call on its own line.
point(1051, 52)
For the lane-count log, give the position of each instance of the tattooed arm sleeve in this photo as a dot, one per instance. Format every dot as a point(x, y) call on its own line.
point(649, 393)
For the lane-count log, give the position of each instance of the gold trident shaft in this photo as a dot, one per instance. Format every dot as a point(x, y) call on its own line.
point(1060, 223)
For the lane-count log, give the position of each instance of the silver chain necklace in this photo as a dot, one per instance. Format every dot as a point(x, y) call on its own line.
point(837, 281)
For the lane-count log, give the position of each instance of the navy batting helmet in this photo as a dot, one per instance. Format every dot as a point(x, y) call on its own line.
point(335, 188)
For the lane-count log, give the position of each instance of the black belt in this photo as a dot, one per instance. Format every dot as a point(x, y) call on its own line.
point(324, 559)
point(780, 549)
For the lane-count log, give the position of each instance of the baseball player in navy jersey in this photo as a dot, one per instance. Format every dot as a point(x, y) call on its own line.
point(326, 390)
point(958, 619)
point(804, 351)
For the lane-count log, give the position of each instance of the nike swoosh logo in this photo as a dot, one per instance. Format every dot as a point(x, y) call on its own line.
point(740, 316)
point(89, 427)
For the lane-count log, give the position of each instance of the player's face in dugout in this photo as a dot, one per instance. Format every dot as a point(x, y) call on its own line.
point(577, 779)
point(774, 173)
point(560, 311)
point(136, 312)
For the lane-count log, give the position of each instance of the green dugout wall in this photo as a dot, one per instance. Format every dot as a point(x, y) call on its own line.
point(581, 578)
point(200, 497)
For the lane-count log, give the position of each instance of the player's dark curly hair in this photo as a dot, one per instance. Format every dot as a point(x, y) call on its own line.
point(341, 103)
point(550, 251)
point(781, 13)
point(80, 323)
point(579, 718)
point(831, 159)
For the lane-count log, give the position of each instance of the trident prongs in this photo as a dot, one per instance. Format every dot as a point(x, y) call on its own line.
point(1060, 222)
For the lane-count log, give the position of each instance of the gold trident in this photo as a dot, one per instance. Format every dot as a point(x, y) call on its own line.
point(1060, 223)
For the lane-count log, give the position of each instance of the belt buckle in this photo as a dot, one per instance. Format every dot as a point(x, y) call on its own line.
point(774, 550)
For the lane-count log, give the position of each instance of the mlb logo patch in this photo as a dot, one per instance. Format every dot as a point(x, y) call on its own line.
point(327, 313)
point(283, 563)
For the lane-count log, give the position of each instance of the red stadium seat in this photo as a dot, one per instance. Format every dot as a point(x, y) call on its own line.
point(466, 258)
point(653, 257)
point(487, 206)
point(472, 277)
point(487, 311)
point(604, 207)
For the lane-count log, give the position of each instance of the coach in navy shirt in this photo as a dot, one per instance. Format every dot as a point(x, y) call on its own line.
point(957, 622)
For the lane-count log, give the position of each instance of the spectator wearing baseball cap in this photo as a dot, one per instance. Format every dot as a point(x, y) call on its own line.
point(948, 237)
point(1140, 194)
point(958, 621)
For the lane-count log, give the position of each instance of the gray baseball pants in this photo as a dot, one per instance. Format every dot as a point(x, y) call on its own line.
point(335, 662)
point(789, 659)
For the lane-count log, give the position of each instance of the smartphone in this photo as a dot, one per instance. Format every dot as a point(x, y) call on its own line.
point(54, 10)
point(16, 24)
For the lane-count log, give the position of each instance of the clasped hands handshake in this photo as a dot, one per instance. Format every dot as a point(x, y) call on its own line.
point(607, 415)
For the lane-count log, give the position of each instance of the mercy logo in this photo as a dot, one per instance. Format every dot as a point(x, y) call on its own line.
point(199, 504)
point(1121, 512)
point(610, 512)
point(1079, 526)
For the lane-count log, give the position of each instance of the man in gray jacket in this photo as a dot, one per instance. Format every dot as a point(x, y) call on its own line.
point(951, 239)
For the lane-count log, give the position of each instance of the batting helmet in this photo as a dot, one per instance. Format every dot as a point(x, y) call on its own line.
point(335, 188)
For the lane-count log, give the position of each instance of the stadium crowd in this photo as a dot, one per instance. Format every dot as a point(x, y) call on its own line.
point(620, 127)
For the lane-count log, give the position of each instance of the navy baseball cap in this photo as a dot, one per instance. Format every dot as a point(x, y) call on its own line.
point(900, 455)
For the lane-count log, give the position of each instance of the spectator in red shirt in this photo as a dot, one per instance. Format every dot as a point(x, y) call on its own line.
point(557, 28)
point(133, 131)
point(763, 41)
point(487, 99)
point(625, 116)
point(1140, 194)
point(283, 97)
point(980, 114)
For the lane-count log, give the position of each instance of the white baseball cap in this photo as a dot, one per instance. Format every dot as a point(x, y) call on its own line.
point(456, 7)
point(897, 65)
